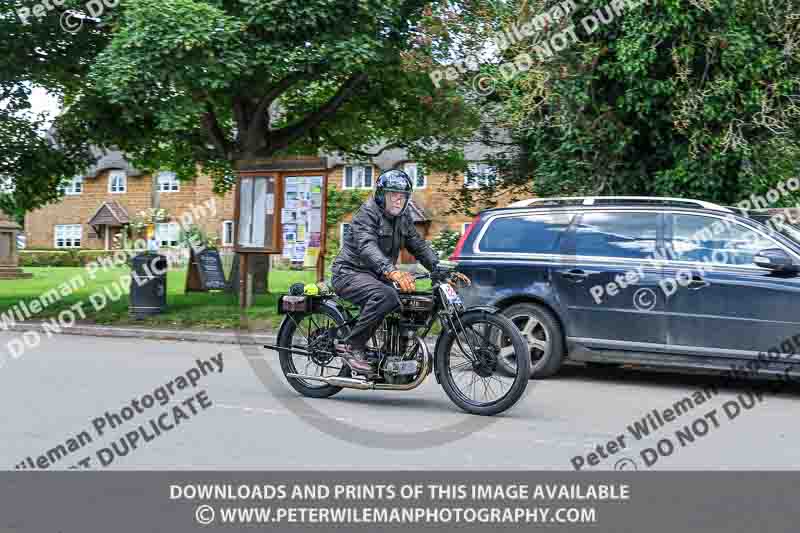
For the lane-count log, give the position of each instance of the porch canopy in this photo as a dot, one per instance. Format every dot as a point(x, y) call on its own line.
point(109, 215)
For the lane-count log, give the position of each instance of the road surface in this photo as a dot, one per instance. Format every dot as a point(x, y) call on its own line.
point(53, 394)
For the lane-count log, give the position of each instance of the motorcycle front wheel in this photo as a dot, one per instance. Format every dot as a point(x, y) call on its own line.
point(468, 362)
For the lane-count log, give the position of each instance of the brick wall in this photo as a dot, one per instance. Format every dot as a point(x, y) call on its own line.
point(199, 192)
point(78, 209)
point(434, 198)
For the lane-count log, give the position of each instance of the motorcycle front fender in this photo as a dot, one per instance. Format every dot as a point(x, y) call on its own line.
point(490, 309)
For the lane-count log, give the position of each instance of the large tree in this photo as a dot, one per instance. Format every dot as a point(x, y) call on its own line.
point(694, 98)
point(177, 83)
point(31, 160)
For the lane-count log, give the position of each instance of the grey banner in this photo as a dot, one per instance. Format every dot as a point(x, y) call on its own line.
point(82, 502)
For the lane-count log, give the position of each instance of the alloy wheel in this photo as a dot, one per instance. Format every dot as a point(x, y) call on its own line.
point(535, 334)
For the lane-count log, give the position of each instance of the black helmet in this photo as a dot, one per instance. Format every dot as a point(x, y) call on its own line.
point(393, 181)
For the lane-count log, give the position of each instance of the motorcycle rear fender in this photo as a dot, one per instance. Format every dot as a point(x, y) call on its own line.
point(341, 314)
point(489, 309)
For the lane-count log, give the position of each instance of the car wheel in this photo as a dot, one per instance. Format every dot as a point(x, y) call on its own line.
point(543, 334)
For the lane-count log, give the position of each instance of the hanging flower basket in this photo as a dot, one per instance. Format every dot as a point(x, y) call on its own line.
point(147, 217)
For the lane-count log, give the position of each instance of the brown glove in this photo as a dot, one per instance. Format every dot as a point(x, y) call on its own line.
point(404, 279)
point(458, 277)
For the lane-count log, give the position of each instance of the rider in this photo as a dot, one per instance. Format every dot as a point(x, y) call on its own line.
point(364, 269)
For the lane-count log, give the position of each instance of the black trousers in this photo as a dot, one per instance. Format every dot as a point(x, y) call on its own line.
point(376, 298)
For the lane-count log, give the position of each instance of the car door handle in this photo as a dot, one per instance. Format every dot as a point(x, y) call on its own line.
point(698, 283)
point(575, 275)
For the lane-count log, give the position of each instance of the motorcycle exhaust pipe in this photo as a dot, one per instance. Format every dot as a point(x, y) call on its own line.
point(336, 381)
point(295, 350)
point(352, 383)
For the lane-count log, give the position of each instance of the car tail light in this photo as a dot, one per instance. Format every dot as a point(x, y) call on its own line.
point(463, 239)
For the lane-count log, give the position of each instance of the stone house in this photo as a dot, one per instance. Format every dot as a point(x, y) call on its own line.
point(97, 206)
point(432, 195)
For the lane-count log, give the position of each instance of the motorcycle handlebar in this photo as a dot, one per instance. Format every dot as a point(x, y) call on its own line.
point(435, 275)
point(425, 275)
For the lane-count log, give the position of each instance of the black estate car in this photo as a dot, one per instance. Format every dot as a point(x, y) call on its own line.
point(647, 281)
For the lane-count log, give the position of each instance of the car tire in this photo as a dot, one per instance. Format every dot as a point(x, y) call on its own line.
point(544, 336)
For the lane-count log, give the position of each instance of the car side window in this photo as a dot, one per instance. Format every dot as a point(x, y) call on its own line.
point(791, 231)
point(622, 235)
point(530, 234)
point(716, 241)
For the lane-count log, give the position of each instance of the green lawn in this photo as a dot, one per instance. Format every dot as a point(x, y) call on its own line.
point(203, 310)
point(199, 310)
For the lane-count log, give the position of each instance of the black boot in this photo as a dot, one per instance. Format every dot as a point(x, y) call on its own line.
point(356, 359)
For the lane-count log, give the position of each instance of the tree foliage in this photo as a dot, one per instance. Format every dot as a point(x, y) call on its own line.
point(341, 203)
point(444, 244)
point(43, 55)
point(181, 83)
point(693, 98)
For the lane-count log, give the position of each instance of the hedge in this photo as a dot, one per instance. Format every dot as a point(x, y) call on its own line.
point(62, 258)
point(49, 258)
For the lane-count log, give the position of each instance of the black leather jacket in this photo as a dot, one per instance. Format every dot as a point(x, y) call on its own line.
point(375, 239)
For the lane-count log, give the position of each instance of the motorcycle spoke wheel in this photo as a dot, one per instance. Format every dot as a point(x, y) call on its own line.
point(474, 373)
point(468, 357)
point(309, 334)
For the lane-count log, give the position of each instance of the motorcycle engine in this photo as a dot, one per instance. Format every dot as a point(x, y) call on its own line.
point(399, 371)
point(403, 361)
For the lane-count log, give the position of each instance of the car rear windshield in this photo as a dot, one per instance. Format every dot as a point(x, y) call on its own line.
point(529, 234)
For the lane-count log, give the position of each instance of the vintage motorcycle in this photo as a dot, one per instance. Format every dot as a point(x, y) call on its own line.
point(464, 360)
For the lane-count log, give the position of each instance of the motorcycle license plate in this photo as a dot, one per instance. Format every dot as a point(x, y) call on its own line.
point(451, 295)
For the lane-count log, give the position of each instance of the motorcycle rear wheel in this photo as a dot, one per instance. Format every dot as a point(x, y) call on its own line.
point(297, 333)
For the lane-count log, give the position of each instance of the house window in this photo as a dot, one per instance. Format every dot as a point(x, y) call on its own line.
point(73, 186)
point(479, 175)
point(344, 229)
point(117, 181)
point(168, 182)
point(416, 173)
point(227, 233)
point(67, 235)
point(358, 177)
point(167, 234)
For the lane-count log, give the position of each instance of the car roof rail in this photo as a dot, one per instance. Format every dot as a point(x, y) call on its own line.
point(617, 200)
point(766, 211)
